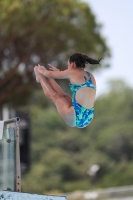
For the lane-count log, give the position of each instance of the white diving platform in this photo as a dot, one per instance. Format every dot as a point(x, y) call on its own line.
point(8, 195)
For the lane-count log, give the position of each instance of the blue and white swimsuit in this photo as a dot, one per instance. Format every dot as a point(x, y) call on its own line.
point(83, 115)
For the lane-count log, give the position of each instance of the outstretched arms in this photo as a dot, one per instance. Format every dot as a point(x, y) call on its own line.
point(55, 73)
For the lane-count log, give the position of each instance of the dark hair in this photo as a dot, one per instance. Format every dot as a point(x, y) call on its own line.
point(81, 59)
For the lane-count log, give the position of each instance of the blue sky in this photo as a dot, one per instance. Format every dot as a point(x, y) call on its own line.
point(116, 16)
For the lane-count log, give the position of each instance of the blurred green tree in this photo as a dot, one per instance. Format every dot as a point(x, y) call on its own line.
point(34, 32)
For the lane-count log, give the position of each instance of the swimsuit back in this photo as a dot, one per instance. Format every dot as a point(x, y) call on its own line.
point(75, 87)
point(83, 116)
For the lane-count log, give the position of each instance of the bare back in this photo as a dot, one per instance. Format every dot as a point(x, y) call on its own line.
point(84, 96)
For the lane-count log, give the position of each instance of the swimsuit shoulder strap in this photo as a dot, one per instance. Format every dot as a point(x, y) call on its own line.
point(89, 76)
point(83, 75)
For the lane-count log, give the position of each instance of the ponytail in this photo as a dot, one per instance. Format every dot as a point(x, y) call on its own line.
point(91, 60)
point(82, 59)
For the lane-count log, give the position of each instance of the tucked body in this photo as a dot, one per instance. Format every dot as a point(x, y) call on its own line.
point(78, 110)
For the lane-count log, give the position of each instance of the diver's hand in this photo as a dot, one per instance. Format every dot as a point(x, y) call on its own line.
point(41, 69)
point(52, 68)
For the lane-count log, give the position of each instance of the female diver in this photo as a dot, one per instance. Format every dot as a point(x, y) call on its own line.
point(77, 111)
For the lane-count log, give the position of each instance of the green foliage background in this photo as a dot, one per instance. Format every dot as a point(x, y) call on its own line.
point(61, 156)
point(43, 31)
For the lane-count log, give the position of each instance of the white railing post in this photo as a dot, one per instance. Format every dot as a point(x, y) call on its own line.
point(16, 153)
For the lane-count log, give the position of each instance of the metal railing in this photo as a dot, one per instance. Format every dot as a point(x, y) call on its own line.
point(13, 120)
point(10, 174)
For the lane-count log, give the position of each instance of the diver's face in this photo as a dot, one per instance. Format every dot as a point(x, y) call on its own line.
point(71, 65)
